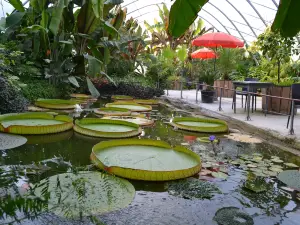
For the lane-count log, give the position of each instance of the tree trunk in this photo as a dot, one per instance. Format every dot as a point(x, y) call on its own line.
point(278, 75)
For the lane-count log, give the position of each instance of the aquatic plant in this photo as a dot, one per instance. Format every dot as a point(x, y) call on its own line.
point(232, 216)
point(34, 123)
point(132, 106)
point(106, 128)
point(243, 138)
point(192, 188)
point(132, 119)
point(291, 178)
point(142, 159)
point(112, 111)
point(8, 141)
point(204, 125)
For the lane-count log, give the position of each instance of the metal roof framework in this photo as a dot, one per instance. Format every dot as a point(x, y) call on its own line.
point(245, 19)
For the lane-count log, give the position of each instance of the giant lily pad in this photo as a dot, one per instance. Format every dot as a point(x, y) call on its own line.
point(291, 178)
point(146, 101)
point(133, 119)
point(112, 111)
point(232, 216)
point(192, 188)
point(56, 103)
point(121, 98)
point(106, 128)
point(81, 96)
point(145, 159)
point(205, 125)
point(243, 138)
point(8, 141)
point(34, 123)
point(85, 193)
point(134, 107)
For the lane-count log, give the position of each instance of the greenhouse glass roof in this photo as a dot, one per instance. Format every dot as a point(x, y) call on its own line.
point(245, 19)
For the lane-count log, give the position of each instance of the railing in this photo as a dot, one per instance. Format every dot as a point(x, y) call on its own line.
point(292, 111)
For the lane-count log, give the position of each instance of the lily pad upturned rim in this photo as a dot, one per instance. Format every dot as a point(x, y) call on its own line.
point(121, 97)
point(122, 191)
point(94, 133)
point(147, 101)
point(220, 129)
point(80, 96)
point(147, 108)
point(140, 174)
point(112, 111)
point(56, 103)
point(44, 129)
point(147, 122)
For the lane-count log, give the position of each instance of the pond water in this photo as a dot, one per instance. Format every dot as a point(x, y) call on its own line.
point(153, 204)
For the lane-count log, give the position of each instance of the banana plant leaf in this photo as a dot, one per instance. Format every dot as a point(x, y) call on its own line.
point(286, 18)
point(145, 159)
point(188, 10)
point(17, 4)
point(204, 125)
point(106, 128)
point(85, 193)
point(34, 123)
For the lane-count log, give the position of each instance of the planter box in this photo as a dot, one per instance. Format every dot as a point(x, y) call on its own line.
point(278, 105)
point(224, 84)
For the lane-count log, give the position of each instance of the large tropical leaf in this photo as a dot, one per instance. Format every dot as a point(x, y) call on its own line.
point(56, 17)
point(45, 19)
point(87, 22)
point(287, 17)
point(94, 92)
point(145, 159)
point(17, 4)
point(98, 6)
point(14, 18)
point(85, 193)
point(188, 9)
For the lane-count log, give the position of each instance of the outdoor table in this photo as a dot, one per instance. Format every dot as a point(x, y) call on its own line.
point(251, 86)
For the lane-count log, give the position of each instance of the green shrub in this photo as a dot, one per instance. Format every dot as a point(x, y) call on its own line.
point(40, 89)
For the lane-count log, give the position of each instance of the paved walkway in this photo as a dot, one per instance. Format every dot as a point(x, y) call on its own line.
point(273, 123)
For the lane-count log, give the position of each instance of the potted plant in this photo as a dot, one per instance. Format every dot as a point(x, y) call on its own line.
point(208, 93)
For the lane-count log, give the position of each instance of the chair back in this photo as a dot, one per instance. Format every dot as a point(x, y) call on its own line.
point(249, 79)
point(296, 93)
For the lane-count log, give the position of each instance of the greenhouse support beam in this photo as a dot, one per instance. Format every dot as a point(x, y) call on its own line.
point(253, 7)
point(275, 3)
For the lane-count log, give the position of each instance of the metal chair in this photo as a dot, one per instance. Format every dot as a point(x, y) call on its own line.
point(244, 93)
point(295, 95)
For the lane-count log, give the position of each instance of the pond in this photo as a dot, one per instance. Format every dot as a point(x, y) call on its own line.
point(153, 202)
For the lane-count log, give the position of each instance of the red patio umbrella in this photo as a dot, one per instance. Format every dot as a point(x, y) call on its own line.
point(218, 39)
point(204, 53)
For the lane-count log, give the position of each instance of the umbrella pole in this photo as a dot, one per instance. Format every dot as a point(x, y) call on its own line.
point(215, 59)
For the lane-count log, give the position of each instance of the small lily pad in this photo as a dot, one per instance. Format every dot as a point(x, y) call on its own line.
point(256, 170)
point(270, 173)
point(291, 165)
point(256, 185)
point(291, 178)
point(219, 175)
point(260, 174)
point(205, 172)
point(9, 141)
point(275, 169)
point(277, 160)
point(206, 165)
point(232, 216)
point(252, 165)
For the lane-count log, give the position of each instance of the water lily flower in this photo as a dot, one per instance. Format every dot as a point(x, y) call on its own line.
point(212, 138)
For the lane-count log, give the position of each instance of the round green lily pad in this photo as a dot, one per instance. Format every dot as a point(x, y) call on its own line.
point(146, 101)
point(220, 175)
point(275, 169)
point(34, 123)
point(276, 160)
point(56, 103)
point(252, 165)
point(204, 125)
point(270, 173)
point(133, 119)
point(134, 107)
point(81, 96)
point(291, 165)
point(106, 128)
point(9, 141)
point(85, 193)
point(232, 216)
point(144, 159)
point(112, 111)
point(121, 97)
point(291, 178)
point(206, 140)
